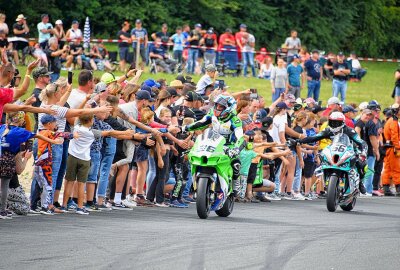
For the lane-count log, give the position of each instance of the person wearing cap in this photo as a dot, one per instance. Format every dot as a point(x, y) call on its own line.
point(261, 56)
point(293, 45)
point(123, 46)
point(391, 166)
point(341, 71)
point(207, 79)
point(139, 34)
point(209, 40)
point(314, 72)
point(356, 67)
point(177, 85)
point(193, 51)
point(279, 80)
point(174, 94)
point(333, 104)
point(59, 33)
point(185, 110)
point(74, 32)
point(350, 113)
point(21, 30)
point(45, 29)
point(163, 35)
point(295, 76)
point(158, 54)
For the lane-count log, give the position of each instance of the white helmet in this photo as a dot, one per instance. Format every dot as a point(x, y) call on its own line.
point(336, 121)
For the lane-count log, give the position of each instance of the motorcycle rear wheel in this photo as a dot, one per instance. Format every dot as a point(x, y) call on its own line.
point(349, 206)
point(203, 198)
point(332, 197)
point(227, 208)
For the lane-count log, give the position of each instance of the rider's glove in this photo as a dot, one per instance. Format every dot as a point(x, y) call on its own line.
point(232, 152)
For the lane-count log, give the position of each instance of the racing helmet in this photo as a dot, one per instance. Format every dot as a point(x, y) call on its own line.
point(336, 121)
point(223, 106)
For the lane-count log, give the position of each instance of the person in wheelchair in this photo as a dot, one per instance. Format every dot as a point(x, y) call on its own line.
point(158, 54)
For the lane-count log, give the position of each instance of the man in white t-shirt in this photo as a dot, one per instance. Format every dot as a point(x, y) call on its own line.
point(293, 44)
point(86, 87)
point(207, 79)
point(356, 66)
point(45, 29)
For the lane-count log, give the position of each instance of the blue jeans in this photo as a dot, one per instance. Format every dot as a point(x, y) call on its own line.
point(63, 166)
point(95, 159)
point(278, 92)
point(193, 54)
point(151, 173)
point(189, 182)
point(54, 77)
point(248, 58)
point(277, 179)
point(368, 180)
point(360, 72)
point(209, 57)
point(57, 155)
point(107, 154)
point(313, 89)
point(297, 175)
point(339, 87)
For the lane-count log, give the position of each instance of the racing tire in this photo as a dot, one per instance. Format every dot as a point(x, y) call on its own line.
point(349, 206)
point(203, 203)
point(227, 208)
point(332, 197)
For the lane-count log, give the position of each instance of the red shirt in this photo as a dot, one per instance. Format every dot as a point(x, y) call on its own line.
point(348, 122)
point(223, 38)
point(6, 96)
point(326, 112)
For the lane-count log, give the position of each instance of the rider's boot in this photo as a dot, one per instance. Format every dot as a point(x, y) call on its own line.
point(387, 191)
point(362, 188)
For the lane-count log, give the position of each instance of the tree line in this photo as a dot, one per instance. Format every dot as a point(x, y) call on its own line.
point(368, 27)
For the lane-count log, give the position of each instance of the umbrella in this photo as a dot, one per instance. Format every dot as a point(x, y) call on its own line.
point(86, 34)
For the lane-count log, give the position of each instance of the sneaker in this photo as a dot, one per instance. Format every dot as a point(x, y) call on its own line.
point(322, 196)
point(119, 206)
point(72, 206)
point(141, 201)
point(189, 199)
point(82, 211)
point(161, 205)
point(181, 201)
point(63, 209)
point(46, 211)
point(104, 207)
point(177, 204)
point(298, 197)
point(92, 208)
point(287, 197)
point(263, 199)
point(128, 203)
point(254, 200)
point(272, 197)
point(34, 211)
point(4, 215)
point(309, 197)
point(366, 195)
point(377, 193)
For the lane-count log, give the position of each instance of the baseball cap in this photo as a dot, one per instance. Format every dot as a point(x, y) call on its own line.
point(282, 105)
point(75, 22)
point(176, 84)
point(250, 133)
point(108, 78)
point(243, 25)
point(309, 100)
point(148, 89)
point(266, 122)
point(263, 49)
point(191, 96)
point(317, 109)
point(151, 83)
point(143, 95)
point(180, 78)
point(334, 100)
point(228, 30)
point(340, 54)
point(315, 51)
point(290, 98)
point(363, 105)
point(373, 105)
point(366, 111)
point(260, 114)
point(100, 87)
point(40, 72)
point(20, 17)
point(296, 56)
point(138, 21)
point(197, 25)
point(211, 68)
point(58, 22)
point(349, 108)
point(47, 118)
point(209, 31)
point(172, 92)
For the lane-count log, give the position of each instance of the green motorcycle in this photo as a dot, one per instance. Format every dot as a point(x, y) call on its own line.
point(212, 175)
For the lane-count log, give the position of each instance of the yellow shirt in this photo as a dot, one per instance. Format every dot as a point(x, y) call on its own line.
point(324, 142)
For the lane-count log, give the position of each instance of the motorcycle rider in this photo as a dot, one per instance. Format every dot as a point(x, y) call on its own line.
point(225, 122)
point(336, 125)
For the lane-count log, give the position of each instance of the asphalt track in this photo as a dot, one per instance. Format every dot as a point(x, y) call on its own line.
point(277, 235)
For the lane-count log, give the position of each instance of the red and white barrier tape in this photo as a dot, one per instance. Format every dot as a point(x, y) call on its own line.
point(370, 59)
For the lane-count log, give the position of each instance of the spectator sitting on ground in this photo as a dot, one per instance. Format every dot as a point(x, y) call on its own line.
point(207, 79)
point(157, 53)
point(266, 69)
point(356, 66)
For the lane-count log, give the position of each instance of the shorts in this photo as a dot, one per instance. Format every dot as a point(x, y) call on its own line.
point(77, 169)
point(266, 183)
point(309, 168)
point(252, 173)
point(141, 153)
point(95, 158)
point(123, 53)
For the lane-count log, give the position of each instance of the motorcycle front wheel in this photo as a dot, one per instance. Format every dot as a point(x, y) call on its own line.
point(227, 208)
point(333, 193)
point(203, 198)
